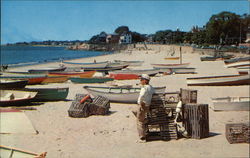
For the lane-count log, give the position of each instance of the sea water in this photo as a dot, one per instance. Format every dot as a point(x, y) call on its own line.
point(27, 55)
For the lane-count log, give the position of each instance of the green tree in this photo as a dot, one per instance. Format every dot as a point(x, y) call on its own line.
point(122, 29)
point(223, 27)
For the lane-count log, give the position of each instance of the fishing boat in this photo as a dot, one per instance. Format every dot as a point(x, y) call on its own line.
point(10, 152)
point(87, 65)
point(131, 63)
point(237, 60)
point(177, 70)
point(231, 104)
point(172, 58)
point(73, 74)
point(230, 80)
point(238, 64)
point(150, 72)
point(12, 84)
point(158, 66)
point(47, 70)
point(243, 70)
point(55, 79)
point(90, 80)
point(124, 76)
point(107, 69)
point(15, 98)
point(118, 94)
point(31, 79)
point(49, 94)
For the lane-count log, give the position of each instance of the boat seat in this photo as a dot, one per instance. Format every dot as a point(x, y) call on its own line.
point(27, 95)
point(8, 96)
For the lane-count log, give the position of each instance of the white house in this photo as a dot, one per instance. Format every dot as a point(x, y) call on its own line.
point(125, 39)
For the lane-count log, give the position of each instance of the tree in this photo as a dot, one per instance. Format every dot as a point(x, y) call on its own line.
point(122, 29)
point(223, 27)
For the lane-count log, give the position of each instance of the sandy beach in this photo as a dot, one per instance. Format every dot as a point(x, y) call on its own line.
point(115, 135)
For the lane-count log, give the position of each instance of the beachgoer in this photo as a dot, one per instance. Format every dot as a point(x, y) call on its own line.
point(144, 102)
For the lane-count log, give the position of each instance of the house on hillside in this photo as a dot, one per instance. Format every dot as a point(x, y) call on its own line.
point(125, 38)
point(112, 38)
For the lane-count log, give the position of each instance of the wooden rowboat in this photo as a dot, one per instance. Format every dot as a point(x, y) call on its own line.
point(31, 79)
point(238, 64)
point(49, 94)
point(90, 80)
point(131, 63)
point(231, 104)
point(10, 152)
point(170, 65)
point(107, 69)
point(172, 58)
point(55, 79)
point(124, 76)
point(16, 98)
point(177, 70)
point(73, 74)
point(46, 70)
point(120, 95)
point(150, 72)
point(87, 65)
point(237, 60)
point(230, 80)
point(12, 84)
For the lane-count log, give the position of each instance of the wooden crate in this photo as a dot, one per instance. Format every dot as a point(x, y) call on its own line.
point(196, 120)
point(188, 96)
point(160, 125)
point(99, 106)
point(238, 133)
point(77, 109)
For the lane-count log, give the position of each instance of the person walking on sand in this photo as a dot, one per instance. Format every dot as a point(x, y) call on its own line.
point(144, 102)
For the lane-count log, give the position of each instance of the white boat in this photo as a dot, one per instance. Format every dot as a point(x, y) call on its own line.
point(229, 80)
point(158, 66)
point(131, 63)
point(119, 95)
point(238, 64)
point(16, 98)
point(177, 70)
point(87, 65)
point(150, 72)
point(231, 104)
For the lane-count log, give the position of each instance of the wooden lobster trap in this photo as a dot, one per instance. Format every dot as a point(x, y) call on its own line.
point(160, 120)
point(78, 109)
point(97, 106)
point(196, 120)
point(238, 133)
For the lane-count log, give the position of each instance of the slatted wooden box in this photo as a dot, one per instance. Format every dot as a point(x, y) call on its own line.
point(77, 109)
point(160, 125)
point(99, 106)
point(196, 120)
point(238, 133)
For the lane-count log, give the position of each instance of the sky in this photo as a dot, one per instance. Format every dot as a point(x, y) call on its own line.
point(39, 20)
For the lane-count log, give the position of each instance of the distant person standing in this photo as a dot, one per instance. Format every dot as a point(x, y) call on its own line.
point(144, 102)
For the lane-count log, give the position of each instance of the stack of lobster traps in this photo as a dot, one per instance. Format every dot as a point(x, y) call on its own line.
point(84, 106)
point(160, 119)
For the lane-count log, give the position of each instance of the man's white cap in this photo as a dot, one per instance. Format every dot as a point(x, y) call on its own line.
point(145, 76)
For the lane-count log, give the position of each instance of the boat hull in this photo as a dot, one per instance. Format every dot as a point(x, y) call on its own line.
point(17, 98)
point(46, 70)
point(119, 95)
point(73, 74)
point(12, 84)
point(158, 66)
point(150, 72)
point(49, 94)
point(231, 80)
point(55, 79)
point(87, 65)
point(124, 76)
point(90, 80)
point(231, 104)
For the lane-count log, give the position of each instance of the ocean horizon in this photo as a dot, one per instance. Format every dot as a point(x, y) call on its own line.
point(15, 56)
